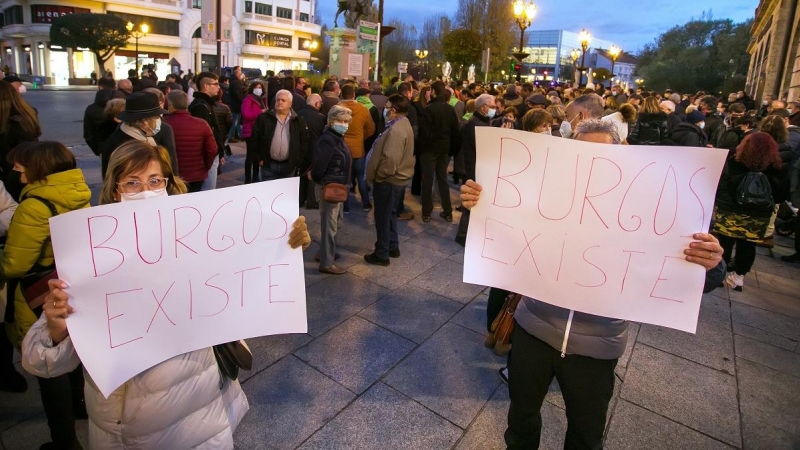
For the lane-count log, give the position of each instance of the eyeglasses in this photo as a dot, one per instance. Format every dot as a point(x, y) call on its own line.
point(136, 186)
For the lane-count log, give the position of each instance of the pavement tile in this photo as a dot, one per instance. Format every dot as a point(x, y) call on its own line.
point(383, 418)
point(445, 279)
point(288, 402)
point(634, 428)
point(414, 260)
point(356, 353)
point(412, 227)
point(768, 401)
point(269, 349)
point(712, 346)
point(767, 355)
point(764, 336)
point(334, 299)
point(634, 329)
point(689, 393)
point(486, 432)
point(777, 267)
point(779, 284)
point(436, 240)
point(411, 312)
point(788, 327)
point(452, 373)
point(473, 316)
point(34, 432)
point(19, 407)
point(457, 256)
point(771, 301)
point(715, 310)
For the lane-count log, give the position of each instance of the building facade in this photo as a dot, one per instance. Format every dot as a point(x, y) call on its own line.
point(775, 51)
point(265, 35)
point(549, 57)
point(624, 69)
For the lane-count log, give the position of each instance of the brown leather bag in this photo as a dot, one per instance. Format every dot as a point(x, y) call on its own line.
point(503, 324)
point(334, 193)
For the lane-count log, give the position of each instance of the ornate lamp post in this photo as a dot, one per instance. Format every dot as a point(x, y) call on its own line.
point(524, 12)
point(422, 54)
point(640, 82)
point(138, 34)
point(310, 46)
point(614, 51)
point(585, 38)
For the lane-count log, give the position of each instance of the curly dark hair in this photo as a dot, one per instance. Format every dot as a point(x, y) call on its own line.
point(758, 152)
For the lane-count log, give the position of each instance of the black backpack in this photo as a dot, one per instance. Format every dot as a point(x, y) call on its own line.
point(754, 193)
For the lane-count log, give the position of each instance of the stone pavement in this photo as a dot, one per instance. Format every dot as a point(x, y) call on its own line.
point(394, 359)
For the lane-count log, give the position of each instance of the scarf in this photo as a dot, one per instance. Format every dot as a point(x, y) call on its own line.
point(137, 134)
point(364, 100)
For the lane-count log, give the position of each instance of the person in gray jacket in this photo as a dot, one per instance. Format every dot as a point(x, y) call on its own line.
point(581, 350)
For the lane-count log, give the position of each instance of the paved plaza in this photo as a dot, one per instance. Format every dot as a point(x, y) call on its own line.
point(394, 359)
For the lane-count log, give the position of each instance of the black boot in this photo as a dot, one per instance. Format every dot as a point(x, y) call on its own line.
point(10, 379)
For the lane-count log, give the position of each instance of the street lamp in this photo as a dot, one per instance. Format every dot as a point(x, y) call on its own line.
point(524, 12)
point(614, 51)
point(584, 38)
point(137, 34)
point(639, 82)
point(422, 54)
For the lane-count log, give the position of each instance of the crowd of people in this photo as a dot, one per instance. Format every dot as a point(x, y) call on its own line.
point(357, 143)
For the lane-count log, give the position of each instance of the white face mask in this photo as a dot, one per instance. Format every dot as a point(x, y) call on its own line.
point(258, 92)
point(565, 129)
point(491, 113)
point(547, 132)
point(144, 195)
point(701, 125)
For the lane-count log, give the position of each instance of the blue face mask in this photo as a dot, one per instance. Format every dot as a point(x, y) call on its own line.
point(386, 113)
point(339, 128)
point(491, 113)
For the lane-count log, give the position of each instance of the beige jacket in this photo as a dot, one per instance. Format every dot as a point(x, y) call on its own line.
point(392, 157)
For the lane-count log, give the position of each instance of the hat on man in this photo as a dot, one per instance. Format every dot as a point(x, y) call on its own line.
point(141, 105)
point(12, 79)
point(511, 93)
point(695, 117)
point(537, 99)
point(553, 94)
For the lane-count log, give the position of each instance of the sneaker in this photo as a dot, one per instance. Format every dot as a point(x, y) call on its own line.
point(504, 375)
point(735, 281)
point(792, 258)
point(405, 216)
point(367, 208)
point(447, 217)
point(426, 217)
point(372, 258)
point(333, 270)
point(394, 253)
point(347, 213)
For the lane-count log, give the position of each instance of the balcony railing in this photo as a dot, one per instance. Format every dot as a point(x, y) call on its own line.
point(273, 19)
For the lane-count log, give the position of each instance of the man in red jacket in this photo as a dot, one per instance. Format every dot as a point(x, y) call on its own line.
point(194, 141)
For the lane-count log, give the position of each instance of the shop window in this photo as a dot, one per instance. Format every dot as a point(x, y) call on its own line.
point(264, 10)
point(197, 4)
point(284, 13)
point(248, 7)
point(167, 27)
point(12, 15)
point(303, 17)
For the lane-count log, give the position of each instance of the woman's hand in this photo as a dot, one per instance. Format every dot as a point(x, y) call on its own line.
point(705, 251)
point(470, 193)
point(299, 234)
point(56, 309)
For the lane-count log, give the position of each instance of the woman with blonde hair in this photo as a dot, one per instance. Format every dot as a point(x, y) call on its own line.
point(650, 127)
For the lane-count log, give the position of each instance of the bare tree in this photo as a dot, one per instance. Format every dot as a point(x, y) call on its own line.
point(434, 30)
point(398, 46)
point(493, 20)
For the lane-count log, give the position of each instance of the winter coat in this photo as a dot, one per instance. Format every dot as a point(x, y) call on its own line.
point(203, 107)
point(688, 135)
point(264, 130)
point(316, 123)
point(94, 119)
point(7, 207)
point(329, 100)
point(392, 158)
point(732, 175)
point(649, 129)
point(332, 159)
point(181, 403)
point(164, 138)
point(194, 144)
point(252, 107)
point(438, 128)
point(468, 145)
point(29, 233)
point(619, 123)
point(224, 119)
point(236, 95)
point(362, 127)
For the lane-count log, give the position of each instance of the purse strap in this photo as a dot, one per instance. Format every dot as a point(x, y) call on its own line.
point(53, 213)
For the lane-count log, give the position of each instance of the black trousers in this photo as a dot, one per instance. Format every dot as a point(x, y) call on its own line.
point(497, 297)
point(251, 168)
point(194, 186)
point(434, 165)
point(62, 398)
point(745, 253)
point(587, 385)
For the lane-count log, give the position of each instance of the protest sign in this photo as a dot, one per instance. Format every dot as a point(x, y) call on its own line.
point(153, 279)
point(596, 228)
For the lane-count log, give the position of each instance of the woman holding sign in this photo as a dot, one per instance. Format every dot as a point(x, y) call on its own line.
point(183, 402)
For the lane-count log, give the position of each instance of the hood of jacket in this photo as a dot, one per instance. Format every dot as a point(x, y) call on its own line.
point(684, 128)
point(67, 190)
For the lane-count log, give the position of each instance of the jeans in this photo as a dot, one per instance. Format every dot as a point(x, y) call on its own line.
point(385, 196)
point(236, 125)
point(587, 385)
point(435, 164)
point(62, 397)
point(330, 215)
point(276, 171)
point(745, 253)
point(359, 170)
point(401, 202)
point(211, 182)
point(251, 168)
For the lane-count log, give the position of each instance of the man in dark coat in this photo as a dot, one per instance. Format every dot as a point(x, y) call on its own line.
point(236, 95)
point(708, 105)
point(94, 117)
point(282, 139)
point(316, 122)
point(203, 107)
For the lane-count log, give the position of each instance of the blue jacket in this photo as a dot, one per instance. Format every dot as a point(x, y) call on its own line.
point(332, 159)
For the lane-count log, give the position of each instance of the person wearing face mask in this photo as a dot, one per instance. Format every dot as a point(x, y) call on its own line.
point(54, 185)
point(690, 133)
point(587, 106)
point(254, 103)
point(141, 121)
point(18, 123)
point(182, 402)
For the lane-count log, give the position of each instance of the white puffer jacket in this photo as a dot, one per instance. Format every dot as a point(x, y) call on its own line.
point(181, 403)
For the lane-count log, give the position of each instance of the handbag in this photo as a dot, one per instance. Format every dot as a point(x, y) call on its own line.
point(334, 193)
point(233, 356)
point(503, 324)
point(33, 284)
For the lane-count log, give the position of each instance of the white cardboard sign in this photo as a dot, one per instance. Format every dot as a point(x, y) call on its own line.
point(153, 279)
point(595, 228)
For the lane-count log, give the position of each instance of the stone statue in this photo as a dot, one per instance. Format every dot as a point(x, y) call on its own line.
point(446, 71)
point(471, 74)
point(354, 10)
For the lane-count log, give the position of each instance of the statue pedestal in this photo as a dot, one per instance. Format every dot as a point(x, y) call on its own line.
point(345, 61)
